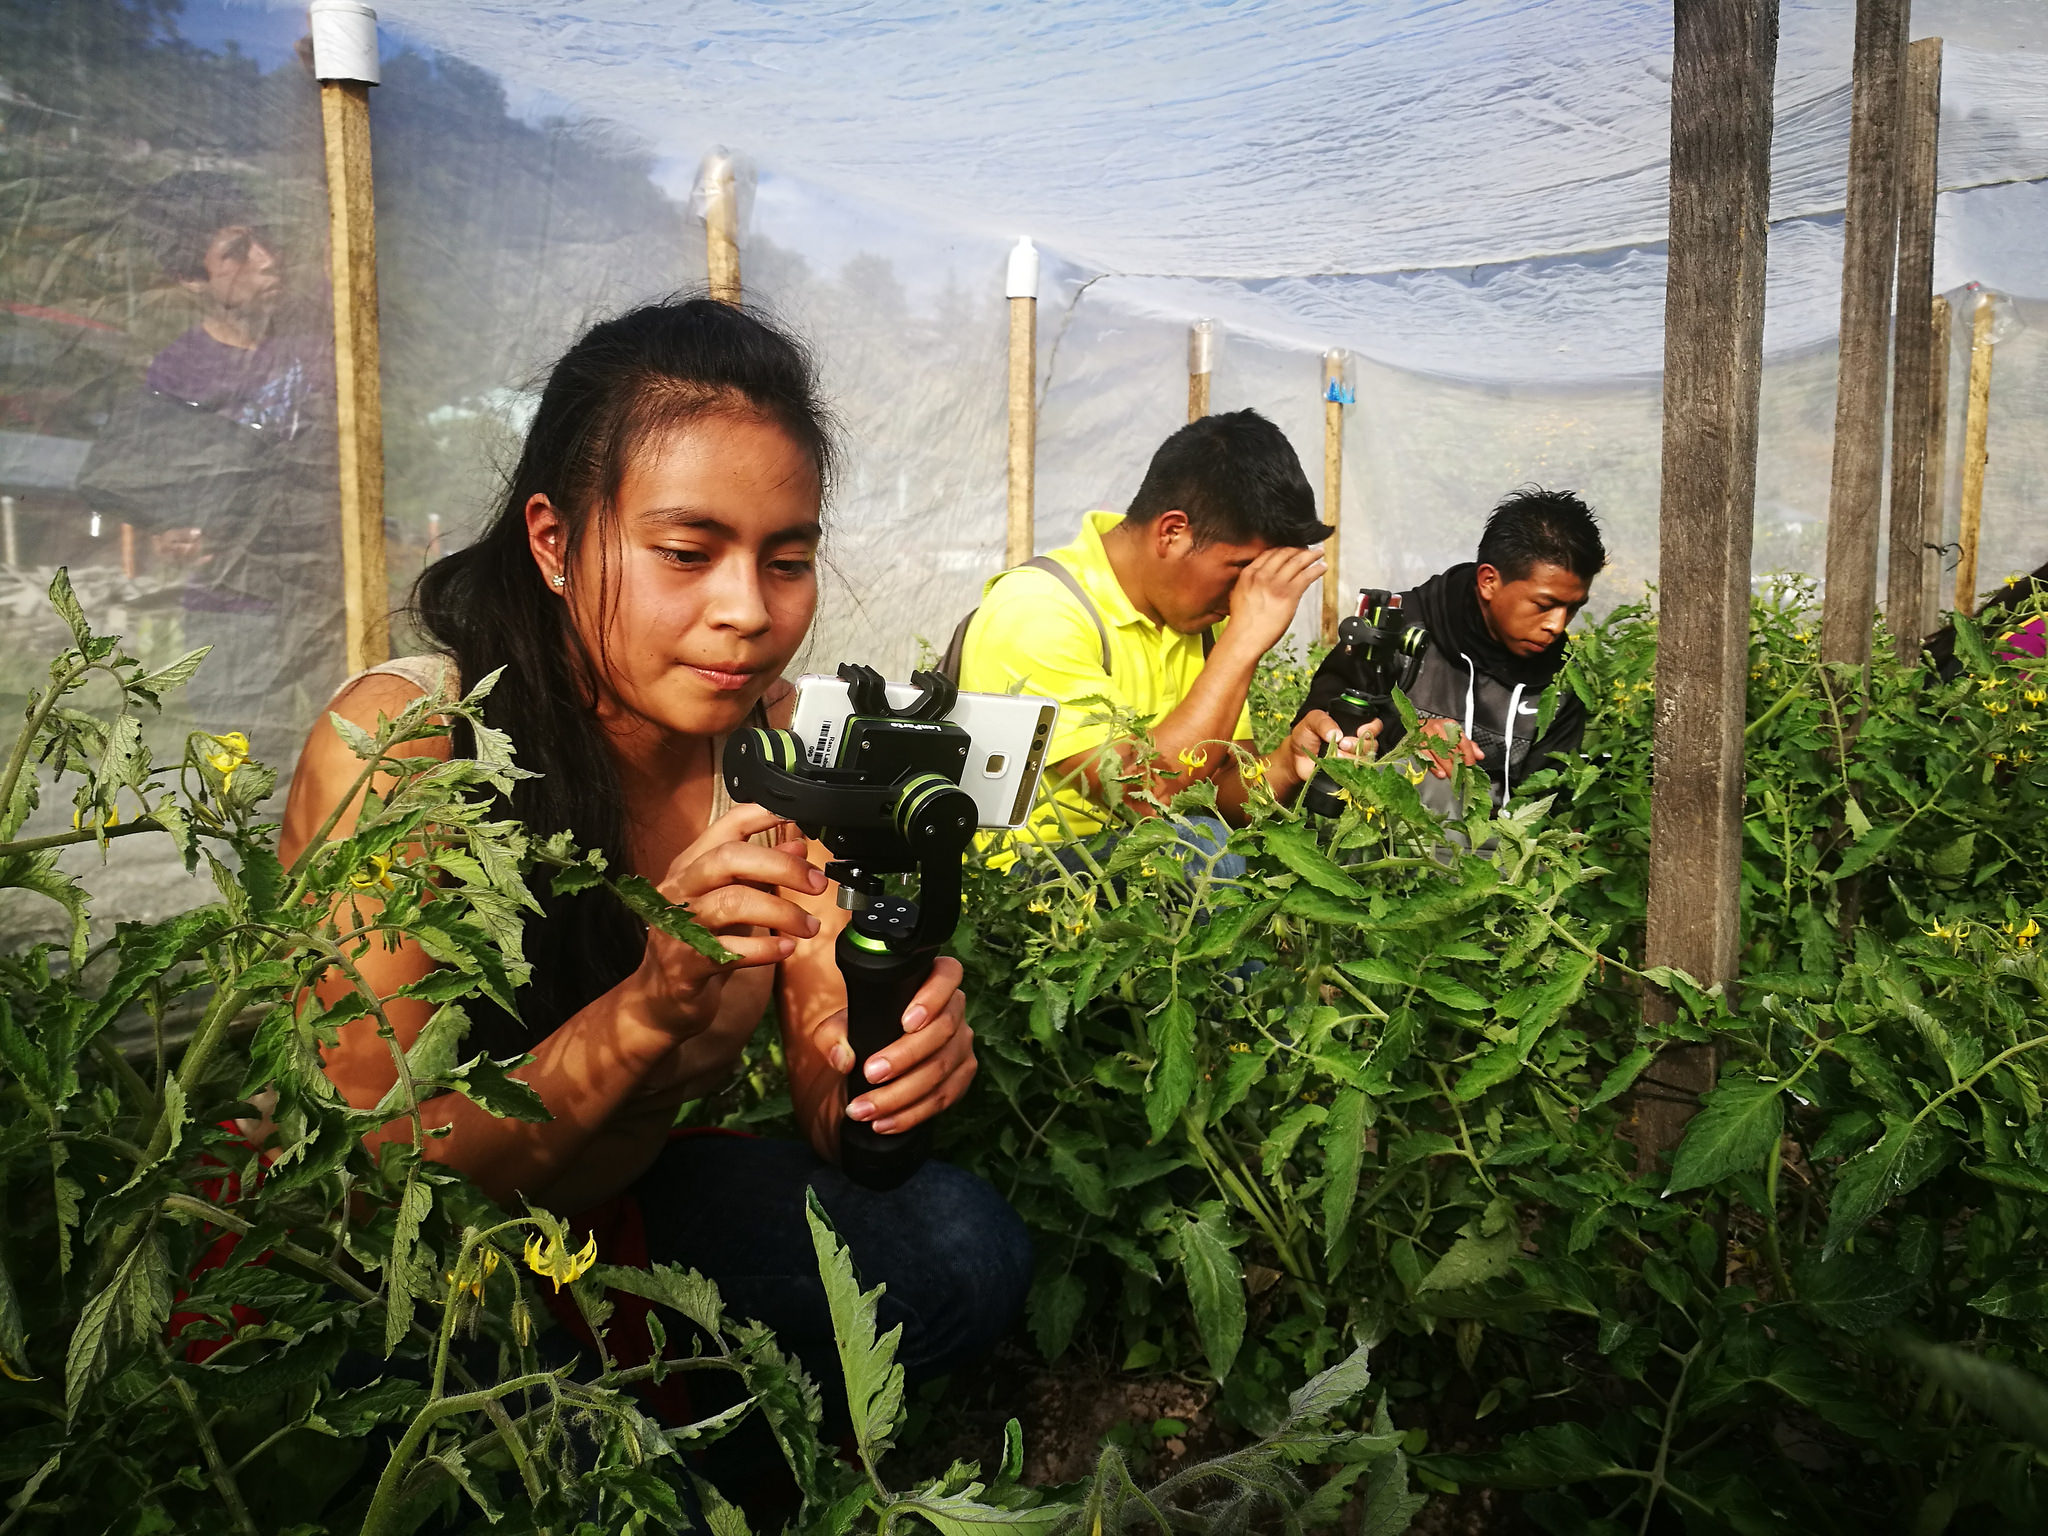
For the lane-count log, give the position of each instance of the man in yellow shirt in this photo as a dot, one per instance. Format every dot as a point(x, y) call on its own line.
point(1220, 529)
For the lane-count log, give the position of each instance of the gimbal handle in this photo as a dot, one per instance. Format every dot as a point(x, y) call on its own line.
point(922, 825)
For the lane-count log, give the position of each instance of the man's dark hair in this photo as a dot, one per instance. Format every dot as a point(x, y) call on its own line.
point(1533, 527)
point(181, 214)
point(1236, 477)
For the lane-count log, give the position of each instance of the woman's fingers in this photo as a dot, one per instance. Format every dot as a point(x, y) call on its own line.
point(939, 989)
point(893, 1060)
point(732, 863)
point(747, 906)
point(940, 1085)
point(758, 949)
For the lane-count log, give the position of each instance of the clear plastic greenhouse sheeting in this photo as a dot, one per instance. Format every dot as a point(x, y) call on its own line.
point(533, 174)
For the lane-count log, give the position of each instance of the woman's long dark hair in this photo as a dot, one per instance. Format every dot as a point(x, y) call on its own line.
point(626, 381)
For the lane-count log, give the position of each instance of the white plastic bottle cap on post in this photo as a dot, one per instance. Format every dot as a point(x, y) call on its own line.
point(1023, 280)
point(344, 41)
point(1202, 347)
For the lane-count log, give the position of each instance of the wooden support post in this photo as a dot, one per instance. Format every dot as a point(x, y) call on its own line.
point(1335, 392)
point(128, 550)
point(1869, 236)
point(1022, 287)
point(352, 240)
point(1724, 61)
point(1201, 363)
point(721, 228)
point(1934, 481)
point(1913, 345)
point(10, 535)
point(1976, 453)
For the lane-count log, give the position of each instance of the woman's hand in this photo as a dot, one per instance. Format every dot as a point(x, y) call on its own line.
point(731, 887)
point(921, 1074)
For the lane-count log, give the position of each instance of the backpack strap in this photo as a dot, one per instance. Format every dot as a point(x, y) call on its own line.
point(1072, 583)
point(949, 664)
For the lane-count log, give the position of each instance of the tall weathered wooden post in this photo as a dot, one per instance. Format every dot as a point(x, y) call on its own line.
point(1913, 349)
point(1021, 284)
point(1976, 452)
point(1869, 238)
point(345, 62)
point(719, 189)
point(1336, 395)
point(1934, 478)
point(1723, 64)
point(1201, 363)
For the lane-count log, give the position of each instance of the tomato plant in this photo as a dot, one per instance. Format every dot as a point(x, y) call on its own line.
point(1380, 1090)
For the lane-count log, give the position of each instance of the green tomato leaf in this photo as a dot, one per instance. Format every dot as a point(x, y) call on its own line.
point(874, 1381)
point(1215, 1283)
point(1734, 1133)
point(1053, 1310)
point(1485, 1251)
point(129, 1311)
point(1343, 1140)
point(1292, 844)
point(1452, 994)
point(1906, 1157)
point(1172, 1078)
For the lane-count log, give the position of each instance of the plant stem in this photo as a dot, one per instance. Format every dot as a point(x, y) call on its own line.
point(82, 835)
point(1779, 1277)
point(1657, 1469)
point(223, 1479)
point(384, 1503)
point(38, 718)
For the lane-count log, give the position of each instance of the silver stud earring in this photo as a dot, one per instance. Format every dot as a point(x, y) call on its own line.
point(561, 581)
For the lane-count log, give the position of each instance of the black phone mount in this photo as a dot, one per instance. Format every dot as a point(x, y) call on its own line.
point(1379, 649)
point(892, 804)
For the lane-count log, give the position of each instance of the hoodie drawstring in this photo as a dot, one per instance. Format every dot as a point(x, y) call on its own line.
point(1507, 771)
point(1507, 761)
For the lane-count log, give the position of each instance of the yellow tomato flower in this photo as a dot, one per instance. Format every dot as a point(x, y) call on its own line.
point(1995, 707)
point(378, 874)
point(1040, 907)
point(2037, 695)
point(113, 819)
point(1253, 772)
point(485, 1266)
point(2023, 936)
point(234, 751)
point(1939, 931)
point(1192, 757)
point(550, 1258)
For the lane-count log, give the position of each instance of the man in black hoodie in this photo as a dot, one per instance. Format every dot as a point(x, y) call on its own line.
point(1496, 631)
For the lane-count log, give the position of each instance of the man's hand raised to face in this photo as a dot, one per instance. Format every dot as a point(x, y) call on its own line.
point(1268, 592)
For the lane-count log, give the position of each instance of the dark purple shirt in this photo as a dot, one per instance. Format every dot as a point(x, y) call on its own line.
point(269, 387)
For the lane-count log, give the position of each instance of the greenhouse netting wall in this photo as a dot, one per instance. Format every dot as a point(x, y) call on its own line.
point(1469, 198)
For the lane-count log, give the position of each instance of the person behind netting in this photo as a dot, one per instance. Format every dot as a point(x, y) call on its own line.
point(1222, 528)
point(649, 574)
point(1496, 628)
point(228, 456)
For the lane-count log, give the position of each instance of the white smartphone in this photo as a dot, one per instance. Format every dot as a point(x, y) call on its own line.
point(1008, 733)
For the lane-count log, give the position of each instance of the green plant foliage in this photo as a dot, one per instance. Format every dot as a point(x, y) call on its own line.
point(195, 1335)
point(1380, 1090)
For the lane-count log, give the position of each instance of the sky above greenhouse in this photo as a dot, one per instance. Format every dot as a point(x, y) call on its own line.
point(1473, 188)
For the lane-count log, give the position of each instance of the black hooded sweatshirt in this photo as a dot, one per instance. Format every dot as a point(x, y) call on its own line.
point(1471, 679)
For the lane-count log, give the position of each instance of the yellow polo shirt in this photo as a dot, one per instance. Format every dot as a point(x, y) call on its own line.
point(1031, 635)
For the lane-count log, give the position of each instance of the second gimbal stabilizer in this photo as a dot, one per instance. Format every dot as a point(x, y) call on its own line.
point(1379, 649)
point(891, 805)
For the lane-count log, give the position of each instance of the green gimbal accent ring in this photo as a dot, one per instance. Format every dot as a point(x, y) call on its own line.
point(779, 749)
point(918, 792)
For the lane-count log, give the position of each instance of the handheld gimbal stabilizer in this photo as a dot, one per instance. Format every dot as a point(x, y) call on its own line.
point(892, 805)
point(1379, 649)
